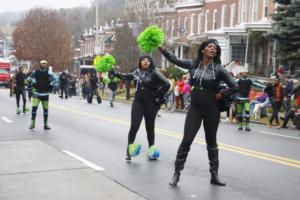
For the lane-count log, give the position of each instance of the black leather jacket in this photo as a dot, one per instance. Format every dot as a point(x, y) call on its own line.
point(146, 79)
point(209, 79)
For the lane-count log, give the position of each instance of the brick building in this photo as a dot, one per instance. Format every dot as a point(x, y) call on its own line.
point(240, 26)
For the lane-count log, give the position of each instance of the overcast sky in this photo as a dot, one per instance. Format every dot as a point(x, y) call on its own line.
point(21, 5)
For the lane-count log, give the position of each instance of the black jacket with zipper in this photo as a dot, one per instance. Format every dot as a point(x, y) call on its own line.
point(211, 78)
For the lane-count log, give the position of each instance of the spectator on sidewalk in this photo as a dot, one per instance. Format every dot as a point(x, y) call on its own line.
point(180, 84)
point(275, 95)
point(287, 94)
point(186, 94)
point(64, 84)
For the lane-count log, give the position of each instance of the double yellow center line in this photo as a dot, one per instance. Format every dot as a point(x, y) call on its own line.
point(235, 149)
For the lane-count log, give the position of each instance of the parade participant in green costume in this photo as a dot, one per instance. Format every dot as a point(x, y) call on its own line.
point(42, 80)
point(243, 102)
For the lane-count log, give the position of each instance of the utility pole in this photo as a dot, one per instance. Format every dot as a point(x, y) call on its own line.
point(97, 28)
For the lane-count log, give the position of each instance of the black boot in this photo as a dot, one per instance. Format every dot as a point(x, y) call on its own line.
point(179, 165)
point(99, 99)
point(128, 156)
point(240, 119)
point(213, 156)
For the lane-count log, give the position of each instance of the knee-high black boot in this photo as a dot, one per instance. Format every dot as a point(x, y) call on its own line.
point(213, 156)
point(179, 164)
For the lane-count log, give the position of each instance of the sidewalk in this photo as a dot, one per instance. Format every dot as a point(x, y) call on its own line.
point(33, 170)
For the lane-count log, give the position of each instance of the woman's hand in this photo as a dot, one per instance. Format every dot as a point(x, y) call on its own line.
point(160, 49)
point(219, 96)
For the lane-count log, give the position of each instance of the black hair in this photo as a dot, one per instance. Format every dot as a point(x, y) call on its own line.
point(217, 58)
point(152, 65)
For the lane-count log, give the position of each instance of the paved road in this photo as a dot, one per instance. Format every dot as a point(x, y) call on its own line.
point(263, 164)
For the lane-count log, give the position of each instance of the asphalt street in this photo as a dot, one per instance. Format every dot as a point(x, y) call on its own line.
point(262, 164)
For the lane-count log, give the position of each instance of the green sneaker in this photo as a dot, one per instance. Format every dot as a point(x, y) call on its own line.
point(18, 111)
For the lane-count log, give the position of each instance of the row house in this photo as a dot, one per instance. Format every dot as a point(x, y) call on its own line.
point(181, 22)
point(106, 38)
point(240, 26)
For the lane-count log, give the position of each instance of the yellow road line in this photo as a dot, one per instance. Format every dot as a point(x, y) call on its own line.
point(235, 149)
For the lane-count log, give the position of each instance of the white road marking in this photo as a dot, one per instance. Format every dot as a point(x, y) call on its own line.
point(84, 161)
point(6, 119)
point(279, 135)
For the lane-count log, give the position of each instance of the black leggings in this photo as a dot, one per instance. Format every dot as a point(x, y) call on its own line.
point(19, 92)
point(276, 108)
point(208, 113)
point(143, 106)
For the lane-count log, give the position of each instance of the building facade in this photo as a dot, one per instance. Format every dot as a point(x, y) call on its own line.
point(240, 26)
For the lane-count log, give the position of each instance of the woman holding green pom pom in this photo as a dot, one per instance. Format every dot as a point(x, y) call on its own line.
point(206, 73)
point(145, 104)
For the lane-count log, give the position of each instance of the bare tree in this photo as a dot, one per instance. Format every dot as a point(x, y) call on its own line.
point(43, 34)
point(125, 49)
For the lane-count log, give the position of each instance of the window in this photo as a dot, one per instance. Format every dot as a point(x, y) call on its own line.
point(244, 11)
point(265, 8)
point(199, 23)
point(179, 24)
point(232, 15)
point(223, 16)
point(4, 71)
point(192, 24)
point(255, 10)
point(214, 25)
point(172, 28)
point(238, 52)
point(206, 20)
point(185, 24)
point(167, 26)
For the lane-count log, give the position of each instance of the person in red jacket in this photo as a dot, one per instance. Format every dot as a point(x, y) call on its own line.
point(180, 84)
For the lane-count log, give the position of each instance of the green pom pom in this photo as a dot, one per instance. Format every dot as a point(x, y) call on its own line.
point(105, 64)
point(116, 80)
point(105, 80)
point(151, 38)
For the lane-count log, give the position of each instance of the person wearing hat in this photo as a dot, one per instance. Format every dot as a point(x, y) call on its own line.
point(243, 101)
point(206, 73)
point(42, 81)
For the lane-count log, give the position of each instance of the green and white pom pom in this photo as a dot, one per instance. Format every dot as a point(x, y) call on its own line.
point(106, 63)
point(150, 39)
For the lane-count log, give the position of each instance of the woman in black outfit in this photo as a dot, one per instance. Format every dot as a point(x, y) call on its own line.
point(206, 73)
point(146, 104)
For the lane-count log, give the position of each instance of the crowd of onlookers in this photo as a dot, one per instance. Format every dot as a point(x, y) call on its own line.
point(278, 97)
